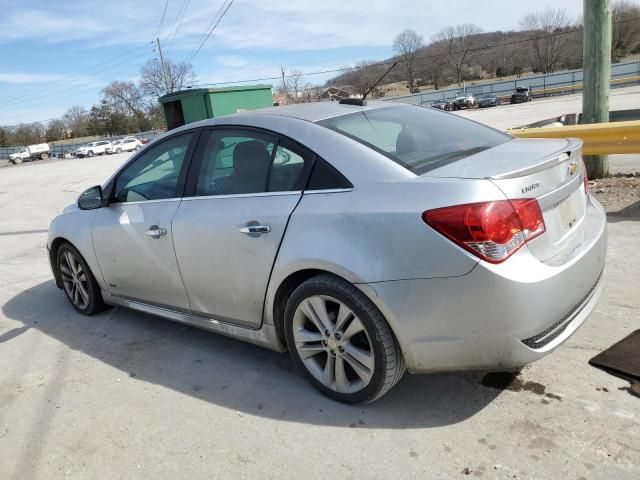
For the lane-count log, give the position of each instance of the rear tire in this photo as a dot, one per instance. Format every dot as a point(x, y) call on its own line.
point(341, 341)
point(79, 284)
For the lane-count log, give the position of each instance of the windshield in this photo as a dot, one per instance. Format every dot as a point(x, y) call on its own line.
point(418, 138)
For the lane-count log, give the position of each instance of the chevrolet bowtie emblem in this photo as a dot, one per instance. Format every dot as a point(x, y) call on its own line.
point(573, 168)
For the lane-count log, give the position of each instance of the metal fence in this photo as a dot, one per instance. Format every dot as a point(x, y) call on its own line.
point(562, 83)
point(70, 145)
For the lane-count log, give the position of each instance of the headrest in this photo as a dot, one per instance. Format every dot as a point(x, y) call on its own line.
point(251, 159)
point(410, 141)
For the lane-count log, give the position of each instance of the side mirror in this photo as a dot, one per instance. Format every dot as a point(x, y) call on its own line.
point(91, 198)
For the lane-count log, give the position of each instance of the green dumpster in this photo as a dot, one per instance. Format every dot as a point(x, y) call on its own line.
point(187, 106)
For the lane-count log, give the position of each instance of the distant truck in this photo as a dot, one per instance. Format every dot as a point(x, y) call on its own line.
point(521, 95)
point(32, 152)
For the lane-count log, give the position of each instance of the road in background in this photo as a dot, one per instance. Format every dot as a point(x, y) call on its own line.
point(522, 114)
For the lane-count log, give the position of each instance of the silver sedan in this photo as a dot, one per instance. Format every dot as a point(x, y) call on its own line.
point(366, 240)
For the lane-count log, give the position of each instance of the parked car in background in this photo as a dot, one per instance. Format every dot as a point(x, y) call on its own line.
point(521, 95)
point(127, 144)
point(446, 105)
point(347, 235)
point(464, 100)
point(488, 100)
point(40, 151)
point(93, 148)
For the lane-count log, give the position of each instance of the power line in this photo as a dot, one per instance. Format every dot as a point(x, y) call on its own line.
point(177, 24)
point(68, 88)
point(164, 12)
point(210, 30)
point(204, 34)
point(76, 76)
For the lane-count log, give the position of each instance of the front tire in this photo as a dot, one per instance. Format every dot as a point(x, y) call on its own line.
point(90, 154)
point(341, 341)
point(78, 283)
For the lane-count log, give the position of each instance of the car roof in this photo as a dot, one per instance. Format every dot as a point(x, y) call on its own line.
point(316, 111)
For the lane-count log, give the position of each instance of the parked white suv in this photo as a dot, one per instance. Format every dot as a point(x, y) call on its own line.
point(94, 148)
point(127, 144)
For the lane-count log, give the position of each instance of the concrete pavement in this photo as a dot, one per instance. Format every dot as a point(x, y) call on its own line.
point(127, 395)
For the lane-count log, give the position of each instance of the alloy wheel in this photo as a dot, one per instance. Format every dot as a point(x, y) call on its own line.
point(333, 344)
point(74, 280)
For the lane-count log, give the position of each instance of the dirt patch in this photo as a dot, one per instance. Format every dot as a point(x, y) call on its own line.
point(619, 195)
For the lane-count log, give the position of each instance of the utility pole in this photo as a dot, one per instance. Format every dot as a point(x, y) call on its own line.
point(164, 69)
point(284, 85)
point(597, 74)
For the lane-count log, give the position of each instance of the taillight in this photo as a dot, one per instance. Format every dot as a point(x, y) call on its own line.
point(491, 230)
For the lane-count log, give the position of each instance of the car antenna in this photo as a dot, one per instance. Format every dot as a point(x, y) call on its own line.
point(363, 101)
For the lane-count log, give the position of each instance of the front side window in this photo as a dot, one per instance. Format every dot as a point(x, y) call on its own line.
point(418, 138)
point(154, 174)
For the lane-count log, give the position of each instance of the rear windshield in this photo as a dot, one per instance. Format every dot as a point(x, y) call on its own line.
point(418, 138)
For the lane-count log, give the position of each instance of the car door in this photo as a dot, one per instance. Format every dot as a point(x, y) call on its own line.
point(242, 188)
point(132, 237)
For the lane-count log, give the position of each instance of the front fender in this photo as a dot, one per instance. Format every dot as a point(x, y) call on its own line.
point(74, 226)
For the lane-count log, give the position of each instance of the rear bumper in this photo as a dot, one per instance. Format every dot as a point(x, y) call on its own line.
point(497, 316)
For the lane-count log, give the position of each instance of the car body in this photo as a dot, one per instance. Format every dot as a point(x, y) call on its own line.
point(94, 148)
point(446, 105)
point(127, 144)
point(488, 100)
point(521, 95)
point(395, 213)
point(464, 100)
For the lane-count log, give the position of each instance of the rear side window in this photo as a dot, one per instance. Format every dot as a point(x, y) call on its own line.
point(325, 177)
point(418, 138)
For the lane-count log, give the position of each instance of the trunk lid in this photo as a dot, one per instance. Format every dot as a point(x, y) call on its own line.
point(549, 170)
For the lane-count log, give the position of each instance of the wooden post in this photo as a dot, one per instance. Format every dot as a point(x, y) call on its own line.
point(597, 74)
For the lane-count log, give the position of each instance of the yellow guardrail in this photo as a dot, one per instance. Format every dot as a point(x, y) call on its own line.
point(598, 138)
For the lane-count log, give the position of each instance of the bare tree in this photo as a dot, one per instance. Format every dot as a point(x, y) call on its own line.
point(294, 86)
point(625, 16)
point(549, 46)
point(77, 120)
point(56, 130)
point(459, 42)
point(433, 63)
point(155, 81)
point(126, 96)
point(406, 45)
point(364, 76)
point(28, 133)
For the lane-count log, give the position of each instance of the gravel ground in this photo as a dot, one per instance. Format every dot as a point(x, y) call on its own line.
point(620, 195)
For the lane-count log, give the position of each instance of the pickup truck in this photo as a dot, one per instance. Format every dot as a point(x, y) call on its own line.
point(521, 95)
point(32, 152)
point(464, 100)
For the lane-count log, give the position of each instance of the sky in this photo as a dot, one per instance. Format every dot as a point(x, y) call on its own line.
point(55, 54)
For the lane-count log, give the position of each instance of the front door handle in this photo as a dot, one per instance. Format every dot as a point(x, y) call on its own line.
point(256, 229)
point(156, 232)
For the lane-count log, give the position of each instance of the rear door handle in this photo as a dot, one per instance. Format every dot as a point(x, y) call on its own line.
point(256, 229)
point(156, 232)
